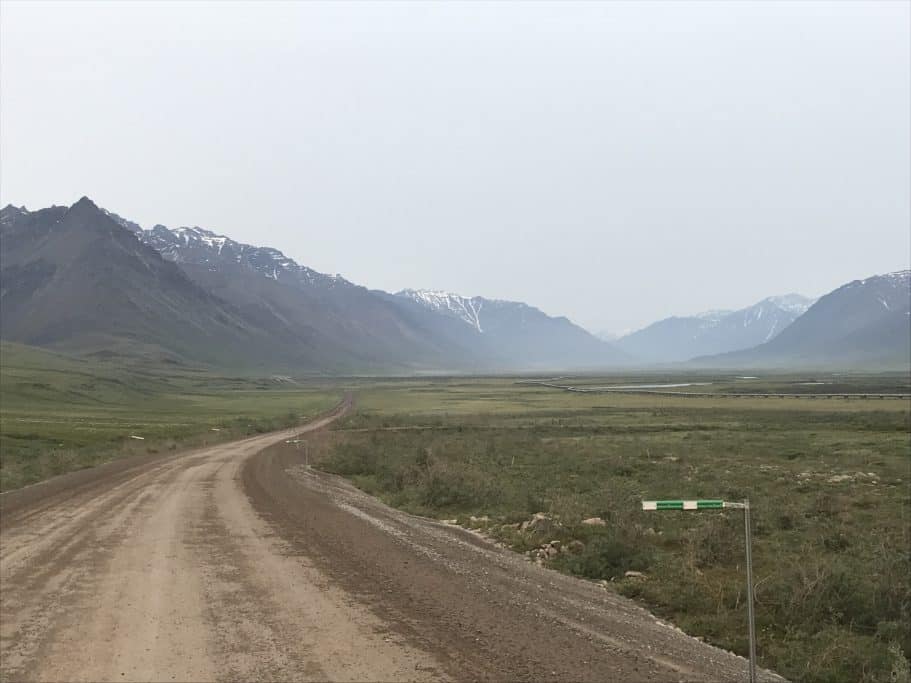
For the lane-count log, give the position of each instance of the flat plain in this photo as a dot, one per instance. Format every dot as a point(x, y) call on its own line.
point(828, 480)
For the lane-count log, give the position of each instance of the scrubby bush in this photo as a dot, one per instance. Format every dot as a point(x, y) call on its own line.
point(608, 556)
point(717, 541)
point(348, 459)
point(446, 486)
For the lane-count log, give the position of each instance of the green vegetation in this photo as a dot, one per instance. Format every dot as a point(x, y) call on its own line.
point(58, 413)
point(828, 480)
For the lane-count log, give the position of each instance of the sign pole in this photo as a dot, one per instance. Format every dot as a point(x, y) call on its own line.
point(749, 552)
point(714, 504)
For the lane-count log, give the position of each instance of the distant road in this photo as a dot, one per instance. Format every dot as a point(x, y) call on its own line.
point(238, 562)
point(711, 394)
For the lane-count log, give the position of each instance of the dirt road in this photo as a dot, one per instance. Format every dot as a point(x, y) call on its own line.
point(239, 562)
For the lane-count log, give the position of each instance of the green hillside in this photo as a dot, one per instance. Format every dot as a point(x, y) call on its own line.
point(59, 413)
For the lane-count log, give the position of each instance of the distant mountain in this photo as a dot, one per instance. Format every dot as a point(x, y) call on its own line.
point(338, 325)
point(123, 222)
point(73, 278)
point(515, 334)
point(863, 324)
point(347, 324)
point(681, 338)
point(85, 279)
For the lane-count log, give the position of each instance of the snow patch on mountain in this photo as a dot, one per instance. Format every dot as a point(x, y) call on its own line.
point(792, 303)
point(713, 316)
point(899, 277)
point(206, 237)
point(200, 246)
point(465, 308)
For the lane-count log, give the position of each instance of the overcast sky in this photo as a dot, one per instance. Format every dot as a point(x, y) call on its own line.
point(615, 163)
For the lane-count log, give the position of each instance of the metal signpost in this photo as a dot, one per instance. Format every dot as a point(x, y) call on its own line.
point(719, 505)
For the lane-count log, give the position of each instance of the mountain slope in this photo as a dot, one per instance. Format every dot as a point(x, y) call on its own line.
point(88, 280)
point(518, 335)
point(346, 325)
point(74, 278)
point(682, 338)
point(863, 324)
point(339, 325)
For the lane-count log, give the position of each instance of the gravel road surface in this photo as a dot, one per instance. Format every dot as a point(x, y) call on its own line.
point(239, 562)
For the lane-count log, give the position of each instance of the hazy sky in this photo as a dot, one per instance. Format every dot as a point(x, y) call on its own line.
point(615, 163)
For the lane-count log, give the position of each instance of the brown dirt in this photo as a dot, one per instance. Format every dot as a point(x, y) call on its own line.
point(239, 562)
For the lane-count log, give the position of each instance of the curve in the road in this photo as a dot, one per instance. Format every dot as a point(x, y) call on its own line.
point(239, 562)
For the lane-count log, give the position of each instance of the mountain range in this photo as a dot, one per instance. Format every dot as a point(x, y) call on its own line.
point(72, 279)
point(502, 328)
point(865, 323)
point(83, 279)
point(682, 338)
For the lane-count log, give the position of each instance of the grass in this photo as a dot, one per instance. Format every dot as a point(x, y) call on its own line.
point(828, 481)
point(59, 413)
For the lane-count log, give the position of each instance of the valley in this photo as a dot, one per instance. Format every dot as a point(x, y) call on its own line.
point(519, 488)
point(158, 365)
point(455, 341)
